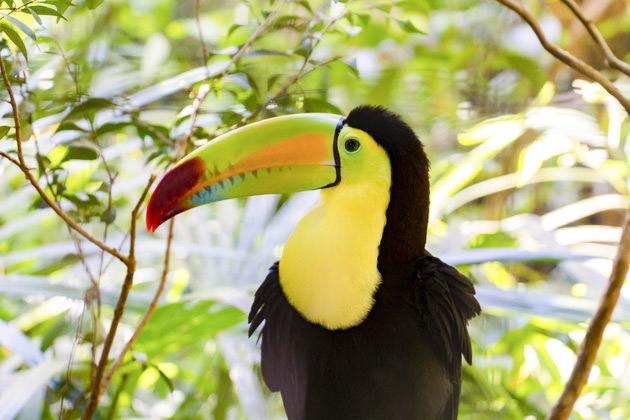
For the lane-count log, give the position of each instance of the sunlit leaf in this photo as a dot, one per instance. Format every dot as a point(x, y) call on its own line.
point(61, 5)
point(24, 384)
point(4, 130)
point(163, 375)
point(20, 25)
point(87, 108)
point(181, 324)
point(264, 52)
point(549, 145)
point(81, 152)
point(35, 16)
point(545, 95)
point(409, 26)
point(46, 11)
point(93, 4)
point(8, 30)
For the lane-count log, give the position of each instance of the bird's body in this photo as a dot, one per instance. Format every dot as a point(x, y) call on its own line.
point(359, 320)
point(391, 366)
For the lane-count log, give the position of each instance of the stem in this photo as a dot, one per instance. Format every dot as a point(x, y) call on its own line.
point(588, 349)
point(31, 178)
point(612, 60)
point(95, 390)
point(201, 96)
point(149, 312)
point(566, 57)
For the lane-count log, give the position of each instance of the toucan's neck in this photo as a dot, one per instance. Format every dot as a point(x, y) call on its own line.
point(404, 236)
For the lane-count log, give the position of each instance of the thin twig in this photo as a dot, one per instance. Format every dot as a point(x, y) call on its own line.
point(611, 59)
point(20, 8)
point(95, 389)
point(11, 159)
point(301, 73)
point(564, 56)
point(31, 178)
point(149, 312)
point(202, 94)
point(204, 47)
point(593, 338)
point(152, 130)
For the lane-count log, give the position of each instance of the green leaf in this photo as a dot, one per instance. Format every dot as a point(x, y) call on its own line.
point(4, 130)
point(35, 16)
point(93, 4)
point(233, 28)
point(415, 6)
point(80, 152)
point(304, 4)
point(182, 324)
point(320, 105)
point(166, 379)
point(69, 126)
point(46, 11)
point(354, 72)
point(21, 26)
point(61, 5)
point(112, 127)
point(408, 26)
point(264, 52)
point(8, 30)
point(88, 106)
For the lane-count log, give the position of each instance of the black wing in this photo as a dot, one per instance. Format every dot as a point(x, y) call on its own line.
point(282, 366)
point(446, 301)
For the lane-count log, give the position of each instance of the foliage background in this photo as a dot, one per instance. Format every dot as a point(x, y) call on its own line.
point(529, 180)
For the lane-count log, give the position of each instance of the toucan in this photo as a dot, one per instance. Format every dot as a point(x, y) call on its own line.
point(359, 320)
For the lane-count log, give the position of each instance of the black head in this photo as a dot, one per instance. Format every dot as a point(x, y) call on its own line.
point(405, 233)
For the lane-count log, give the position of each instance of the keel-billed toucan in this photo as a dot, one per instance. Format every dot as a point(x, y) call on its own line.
point(361, 322)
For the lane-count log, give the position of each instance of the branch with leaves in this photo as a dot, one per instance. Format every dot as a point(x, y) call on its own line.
point(128, 260)
point(566, 57)
point(201, 96)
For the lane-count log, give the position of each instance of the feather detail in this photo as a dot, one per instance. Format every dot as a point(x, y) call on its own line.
point(446, 301)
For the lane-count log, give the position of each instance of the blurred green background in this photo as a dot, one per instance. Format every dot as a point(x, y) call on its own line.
point(530, 168)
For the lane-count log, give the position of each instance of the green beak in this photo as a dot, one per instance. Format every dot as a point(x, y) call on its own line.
point(279, 155)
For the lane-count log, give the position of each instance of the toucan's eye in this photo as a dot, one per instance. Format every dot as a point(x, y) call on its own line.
point(352, 145)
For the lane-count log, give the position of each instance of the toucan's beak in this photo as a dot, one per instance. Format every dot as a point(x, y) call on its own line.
point(279, 155)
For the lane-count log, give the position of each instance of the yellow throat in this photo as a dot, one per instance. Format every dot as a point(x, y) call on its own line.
point(328, 269)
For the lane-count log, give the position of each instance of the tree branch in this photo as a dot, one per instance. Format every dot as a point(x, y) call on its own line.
point(31, 178)
point(593, 338)
point(147, 315)
point(612, 60)
point(564, 56)
point(204, 47)
point(95, 389)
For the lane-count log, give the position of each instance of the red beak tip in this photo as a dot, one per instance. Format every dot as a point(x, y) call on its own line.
point(151, 223)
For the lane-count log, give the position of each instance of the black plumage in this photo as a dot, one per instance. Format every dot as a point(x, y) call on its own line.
point(404, 360)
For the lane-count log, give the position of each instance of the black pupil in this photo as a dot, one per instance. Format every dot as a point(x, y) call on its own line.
point(352, 145)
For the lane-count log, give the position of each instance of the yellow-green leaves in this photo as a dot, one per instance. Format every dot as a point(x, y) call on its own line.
point(492, 136)
point(4, 130)
point(9, 31)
